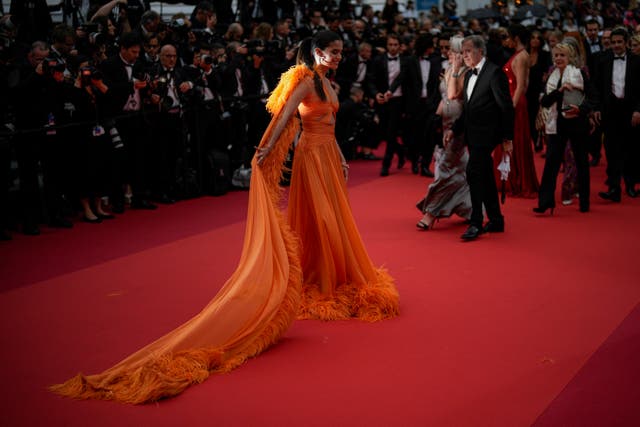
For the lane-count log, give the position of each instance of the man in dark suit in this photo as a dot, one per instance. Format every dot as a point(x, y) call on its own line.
point(428, 69)
point(487, 120)
point(594, 49)
point(617, 93)
point(390, 81)
point(123, 76)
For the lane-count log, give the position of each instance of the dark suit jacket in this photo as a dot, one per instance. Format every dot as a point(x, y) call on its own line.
point(348, 73)
point(488, 115)
point(117, 80)
point(602, 76)
point(378, 78)
point(433, 92)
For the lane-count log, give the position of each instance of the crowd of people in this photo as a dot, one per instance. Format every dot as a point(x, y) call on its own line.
point(115, 108)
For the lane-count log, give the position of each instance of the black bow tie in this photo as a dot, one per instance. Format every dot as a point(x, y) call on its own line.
point(425, 58)
point(362, 62)
point(392, 59)
point(622, 58)
point(474, 71)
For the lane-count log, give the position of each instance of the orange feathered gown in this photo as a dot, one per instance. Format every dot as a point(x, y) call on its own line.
point(263, 296)
point(340, 281)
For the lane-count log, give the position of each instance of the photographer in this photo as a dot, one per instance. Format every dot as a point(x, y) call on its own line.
point(236, 76)
point(56, 139)
point(170, 85)
point(265, 67)
point(28, 84)
point(204, 115)
point(355, 125)
point(92, 146)
point(151, 55)
point(125, 77)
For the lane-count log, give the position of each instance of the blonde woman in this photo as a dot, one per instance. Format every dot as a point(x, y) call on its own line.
point(448, 194)
point(565, 121)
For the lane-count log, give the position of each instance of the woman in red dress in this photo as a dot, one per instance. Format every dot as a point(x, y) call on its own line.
point(522, 181)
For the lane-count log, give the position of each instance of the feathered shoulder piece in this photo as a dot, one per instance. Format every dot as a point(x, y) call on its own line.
point(289, 80)
point(272, 165)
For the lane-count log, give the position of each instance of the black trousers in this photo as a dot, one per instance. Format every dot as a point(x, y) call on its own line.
point(482, 186)
point(427, 133)
point(130, 163)
point(577, 131)
point(618, 146)
point(391, 118)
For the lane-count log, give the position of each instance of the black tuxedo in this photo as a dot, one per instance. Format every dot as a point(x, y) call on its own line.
point(391, 112)
point(348, 74)
point(424, 124)
point(131, 161)
point(487, 120)
point(616, 118)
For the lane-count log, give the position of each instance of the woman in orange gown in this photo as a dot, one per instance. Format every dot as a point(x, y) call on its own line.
point(266, 292)
point(522, 181)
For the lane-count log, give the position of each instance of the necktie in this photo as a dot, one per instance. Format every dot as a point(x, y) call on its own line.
point(392, 59)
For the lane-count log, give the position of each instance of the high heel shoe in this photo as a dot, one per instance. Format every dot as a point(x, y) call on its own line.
point(426, 227)
point(541, 210)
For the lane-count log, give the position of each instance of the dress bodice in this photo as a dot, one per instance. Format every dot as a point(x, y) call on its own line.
point(451, 108)
point(319, 116)
point(511, 76)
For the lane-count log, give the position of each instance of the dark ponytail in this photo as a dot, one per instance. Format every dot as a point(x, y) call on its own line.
point(305, 56)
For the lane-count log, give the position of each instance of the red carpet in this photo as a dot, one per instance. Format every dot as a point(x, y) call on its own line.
point(537, 325)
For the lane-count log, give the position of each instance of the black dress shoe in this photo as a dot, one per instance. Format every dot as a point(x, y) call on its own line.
point(95, 220)
point(493, 227)
point(632, 192)
point(60, 222)
point(543, 209)
point(384, 172)
point(4, 236)
point(142, 204)
point(164, 199)
point(401, 162)
point(30, 230)
point(371, 156)
point(612, 194)
point(117, 208)
point(426, 172)
point(415, 169)
point(106, 216)
point(472, 233)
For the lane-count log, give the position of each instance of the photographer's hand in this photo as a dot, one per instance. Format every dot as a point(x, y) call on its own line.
point(99, 84)
point(139, 84)
point(185, 87)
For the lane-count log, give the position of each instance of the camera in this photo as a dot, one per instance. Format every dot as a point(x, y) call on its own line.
point(97, 38)
point(179, 27)
point(52, 64)
point(208, 59)
point(89, 28)
point(261, 47)
point(89, 73)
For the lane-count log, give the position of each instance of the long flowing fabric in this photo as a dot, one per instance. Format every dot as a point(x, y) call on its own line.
point(252, 310)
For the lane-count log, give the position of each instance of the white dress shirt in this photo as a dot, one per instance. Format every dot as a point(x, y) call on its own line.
point(474, 78)
point(618, 77)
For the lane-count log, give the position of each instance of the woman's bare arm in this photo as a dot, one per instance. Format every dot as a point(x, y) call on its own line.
point(289, 108)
